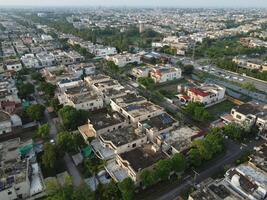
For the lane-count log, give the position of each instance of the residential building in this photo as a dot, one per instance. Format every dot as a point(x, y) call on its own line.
point(127, 164)
point(161, 74)
point(207, 94)
point(135, 108)
point(20, 175)
point(29, 61)
point(123, 59)
point(139, 72)
point(178, 140)
point(156, 125)
point(13, 65)
point(81, 97)
point(82, 69)
point(248, 181)
point(46, 59)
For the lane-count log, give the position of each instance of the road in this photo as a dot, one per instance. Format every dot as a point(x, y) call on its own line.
point(72, 169)
point(259, 84)
point(234, 151)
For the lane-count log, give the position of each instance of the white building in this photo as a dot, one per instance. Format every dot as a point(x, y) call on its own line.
point(13, 65)
point(30, 61)
point(250, 182)
point(161, 74)
point(207, 94)
point(46, 59)
point(123, 59)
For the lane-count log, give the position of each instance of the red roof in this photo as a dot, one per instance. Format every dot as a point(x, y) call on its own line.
point(198, 92)
point(185, 97)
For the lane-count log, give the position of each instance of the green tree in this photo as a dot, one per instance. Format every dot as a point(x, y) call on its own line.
point(25, 89)
point(147, 82)
point(72, 118)
point(65, 142)
point(110, 192)
point(36, 111)
point(147, 177)
point(49, 158)
point(54, 103)
point(234, 132)
point(163, 169)
point(195, 157)
point(48, 88)
point(37, 76)
point(178, 163)
point(43, 131)
point(187, 69)
point(249, 86)
point(127, 188)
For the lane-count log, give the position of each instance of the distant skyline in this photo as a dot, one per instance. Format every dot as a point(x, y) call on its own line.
point(138, 3)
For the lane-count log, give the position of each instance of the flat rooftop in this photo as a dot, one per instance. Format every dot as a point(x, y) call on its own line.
point(143, 157)
point(180, 138)
point(259, 158)
point(249, 108)
point(139, 109)
point(250, 178)
point(129, 99)
point(160, 122)
point(123, 136)
point(104, 118)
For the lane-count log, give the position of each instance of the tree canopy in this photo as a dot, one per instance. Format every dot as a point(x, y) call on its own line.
point(36, 111)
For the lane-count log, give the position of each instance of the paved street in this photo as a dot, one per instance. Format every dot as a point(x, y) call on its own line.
point(72, 169)
point(259, 84)
point(232, 154)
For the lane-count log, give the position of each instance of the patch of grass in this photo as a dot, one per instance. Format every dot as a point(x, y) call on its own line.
point(220, 108)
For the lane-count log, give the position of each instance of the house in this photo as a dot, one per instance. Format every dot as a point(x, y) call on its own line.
point(178, 140)
point(123, 59)
point(69, 82)
point(46, 59)
point(30, 61)
point(13, 64)
point(207, 94)
point(135, 108)
point(133, 163)
point(102, 121)
point(162, 74)
point(80, 96)
point(20, 175)
point(108, 144)
point(211, 189)
point(247, 114)
point(5, 123)
point(248, 181)
point(139, 72)
point(82, 69)
point(158, 124)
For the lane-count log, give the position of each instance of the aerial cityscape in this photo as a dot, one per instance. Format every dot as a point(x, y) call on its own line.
point(133, 100)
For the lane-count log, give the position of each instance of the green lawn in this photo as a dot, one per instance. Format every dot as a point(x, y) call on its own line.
point(221, 108)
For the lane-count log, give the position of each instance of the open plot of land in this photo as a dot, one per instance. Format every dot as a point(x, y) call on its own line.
point(221, 108)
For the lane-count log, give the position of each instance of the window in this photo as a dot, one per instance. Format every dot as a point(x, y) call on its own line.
point(238, 117)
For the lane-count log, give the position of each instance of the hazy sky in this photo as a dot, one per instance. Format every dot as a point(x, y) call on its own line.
point(170, 3)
